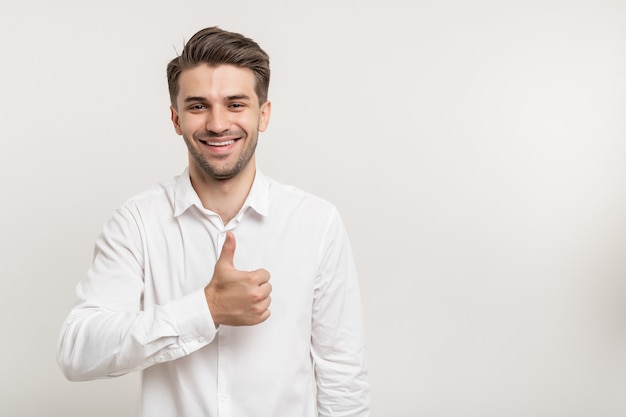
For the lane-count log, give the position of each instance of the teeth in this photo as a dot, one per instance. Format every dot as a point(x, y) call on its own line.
point(228, 142)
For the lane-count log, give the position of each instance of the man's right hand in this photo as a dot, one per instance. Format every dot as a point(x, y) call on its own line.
point(237, 298)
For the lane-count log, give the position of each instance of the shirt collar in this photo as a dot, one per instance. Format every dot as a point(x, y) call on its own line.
point(258, 197)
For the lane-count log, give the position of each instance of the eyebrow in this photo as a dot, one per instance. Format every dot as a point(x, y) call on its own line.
point(193, 99)
point(238, 97)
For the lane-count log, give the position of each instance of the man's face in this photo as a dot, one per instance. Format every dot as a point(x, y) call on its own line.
point(218, 114)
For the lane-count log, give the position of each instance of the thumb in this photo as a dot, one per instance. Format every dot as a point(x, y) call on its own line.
point(228, 250)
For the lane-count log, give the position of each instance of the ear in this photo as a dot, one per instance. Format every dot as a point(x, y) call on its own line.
point(264, 119)
point(175, 120)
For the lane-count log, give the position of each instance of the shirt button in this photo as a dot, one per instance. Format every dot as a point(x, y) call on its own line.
point(201, 339)
point(223, 397)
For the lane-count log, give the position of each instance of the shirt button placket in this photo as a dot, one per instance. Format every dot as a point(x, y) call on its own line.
point(223, 405)
point(223, 400)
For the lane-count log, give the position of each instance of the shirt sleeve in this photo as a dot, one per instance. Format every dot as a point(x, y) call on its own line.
point(338, 342)
point(108, 332)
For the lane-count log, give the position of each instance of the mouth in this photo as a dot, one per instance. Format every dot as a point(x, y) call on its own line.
point(218, 144)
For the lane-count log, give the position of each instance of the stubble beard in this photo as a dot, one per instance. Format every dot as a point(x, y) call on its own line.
point(226, 172)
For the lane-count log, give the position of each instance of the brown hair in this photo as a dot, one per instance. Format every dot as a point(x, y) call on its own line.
point(214, 46)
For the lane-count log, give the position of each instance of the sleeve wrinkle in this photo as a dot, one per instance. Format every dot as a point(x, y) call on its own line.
point(108, 332)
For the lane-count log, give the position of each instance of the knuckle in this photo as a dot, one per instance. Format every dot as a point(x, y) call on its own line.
point(256, 297)
point(258, 309)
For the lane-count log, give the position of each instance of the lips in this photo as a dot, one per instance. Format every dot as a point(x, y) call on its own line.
point(223, 143)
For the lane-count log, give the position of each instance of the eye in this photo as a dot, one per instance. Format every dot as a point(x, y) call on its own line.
point(197, 107)
point(237, 106)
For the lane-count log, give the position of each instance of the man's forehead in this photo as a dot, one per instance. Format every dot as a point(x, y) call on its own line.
point(219, 75)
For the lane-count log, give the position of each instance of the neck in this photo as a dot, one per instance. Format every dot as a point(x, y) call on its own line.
point(224, 197)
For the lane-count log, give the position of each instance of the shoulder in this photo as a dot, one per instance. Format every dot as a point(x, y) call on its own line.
point(303, 210)
point(158, 197)
point(293, 197)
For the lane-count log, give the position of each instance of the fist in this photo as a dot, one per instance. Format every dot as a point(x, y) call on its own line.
point(237, 298)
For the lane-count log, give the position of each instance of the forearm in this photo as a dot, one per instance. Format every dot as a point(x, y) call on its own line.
point(338, 340)
point(338, 352)
point(99, 342)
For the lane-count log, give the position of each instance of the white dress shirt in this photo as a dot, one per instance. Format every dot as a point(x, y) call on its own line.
point(142, 308)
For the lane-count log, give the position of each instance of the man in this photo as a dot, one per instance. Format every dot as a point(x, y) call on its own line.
point(180, 290)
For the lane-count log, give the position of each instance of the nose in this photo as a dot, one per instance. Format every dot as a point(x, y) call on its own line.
point(218, 120)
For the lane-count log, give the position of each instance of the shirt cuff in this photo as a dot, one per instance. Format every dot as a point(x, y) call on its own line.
point(193, 318)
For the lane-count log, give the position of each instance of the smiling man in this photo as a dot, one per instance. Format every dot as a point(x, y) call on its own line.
point(185, 274)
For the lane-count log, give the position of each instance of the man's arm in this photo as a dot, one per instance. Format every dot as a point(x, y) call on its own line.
point(109, 332)
point(338, 342)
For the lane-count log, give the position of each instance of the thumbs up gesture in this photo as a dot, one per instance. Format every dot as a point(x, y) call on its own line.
point(237, 298)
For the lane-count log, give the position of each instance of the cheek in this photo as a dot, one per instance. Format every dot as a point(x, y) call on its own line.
point(189, 124)
point(251, 122)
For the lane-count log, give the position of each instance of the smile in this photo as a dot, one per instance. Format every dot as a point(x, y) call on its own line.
point(224, 143)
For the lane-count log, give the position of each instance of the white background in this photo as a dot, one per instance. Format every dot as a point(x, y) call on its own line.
point(476, 149)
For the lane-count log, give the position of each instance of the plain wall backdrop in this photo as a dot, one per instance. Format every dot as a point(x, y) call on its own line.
point(476, 150)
